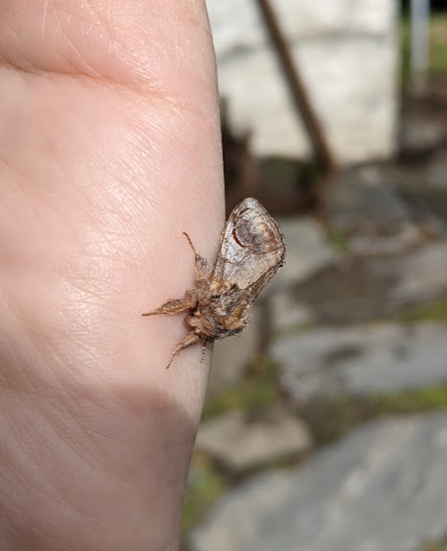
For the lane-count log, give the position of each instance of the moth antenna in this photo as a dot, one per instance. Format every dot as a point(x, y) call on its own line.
point(190, 243)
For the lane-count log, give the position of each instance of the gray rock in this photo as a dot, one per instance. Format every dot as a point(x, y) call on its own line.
point(421, 134)
point(383, 488)
point(352, 290)
point(287, 312)
point(423, 186)
point(365, 201)
point(242, 444)
point(356, 289)
point(437, 169)
point(307, 251)
point(363, 360)
point(405, 239)
point(389, 209)
point(423, 275)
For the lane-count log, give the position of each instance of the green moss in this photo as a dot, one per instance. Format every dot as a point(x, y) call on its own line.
point(434, 545)
point(280, 169)
point(294, 330)
point(438, 43)
point(433, 311)
point(437, 46)
point(258, 390)
point(330, 419)
point(412, 402)
point(203, 488)
point(337, 240)
point(405, 50)
point(247, 395)
point(311, 174)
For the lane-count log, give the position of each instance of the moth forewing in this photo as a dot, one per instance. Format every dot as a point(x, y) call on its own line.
point(259, 285)
point(251, 249)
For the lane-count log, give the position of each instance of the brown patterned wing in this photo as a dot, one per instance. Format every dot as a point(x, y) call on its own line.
point(251, 251)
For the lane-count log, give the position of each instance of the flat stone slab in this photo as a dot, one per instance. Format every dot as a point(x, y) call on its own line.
point(365, 200)
point(307, 251)
point(241, 444)
point(369, 359)
point(383, 488)
point(355, 289)
point(423, 275)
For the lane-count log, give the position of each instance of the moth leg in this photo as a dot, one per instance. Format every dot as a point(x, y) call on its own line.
point(175, 306)
point(202, 357)
point(190, 339)
point(202, 267)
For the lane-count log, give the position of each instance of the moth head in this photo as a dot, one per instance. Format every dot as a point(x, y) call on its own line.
point(201, 321)
point(197, 320)
point(194, 319)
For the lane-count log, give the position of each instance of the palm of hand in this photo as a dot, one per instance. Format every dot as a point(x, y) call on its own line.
point(101, 150)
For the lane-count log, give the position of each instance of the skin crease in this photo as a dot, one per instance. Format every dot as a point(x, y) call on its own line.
point(109, 150)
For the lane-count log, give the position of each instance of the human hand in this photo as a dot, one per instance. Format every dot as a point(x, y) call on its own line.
point(109, 150)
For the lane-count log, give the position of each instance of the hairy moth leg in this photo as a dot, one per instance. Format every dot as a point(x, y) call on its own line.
point(202, 357)
point(176, 306)
point(190, 339)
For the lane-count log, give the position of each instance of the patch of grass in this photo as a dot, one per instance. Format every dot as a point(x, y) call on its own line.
point(258, 390)
point(247, 395)
point(330, 419)
point(310, 175)
point(427, 399)
point(405, 69)
point(438, 43)
point(432, 311)
point(435, 545)
point(337, 240)
point(437, 46)
point(203, 488)
point(297, 329)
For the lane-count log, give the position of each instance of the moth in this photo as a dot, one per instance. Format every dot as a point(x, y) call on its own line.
point(251, 251)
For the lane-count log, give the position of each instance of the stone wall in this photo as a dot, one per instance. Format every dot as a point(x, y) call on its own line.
point(347, 54)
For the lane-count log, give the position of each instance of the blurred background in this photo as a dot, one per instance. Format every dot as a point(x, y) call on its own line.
point(325, 426)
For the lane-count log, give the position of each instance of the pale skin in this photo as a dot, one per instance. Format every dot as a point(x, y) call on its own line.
point(109, 150)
